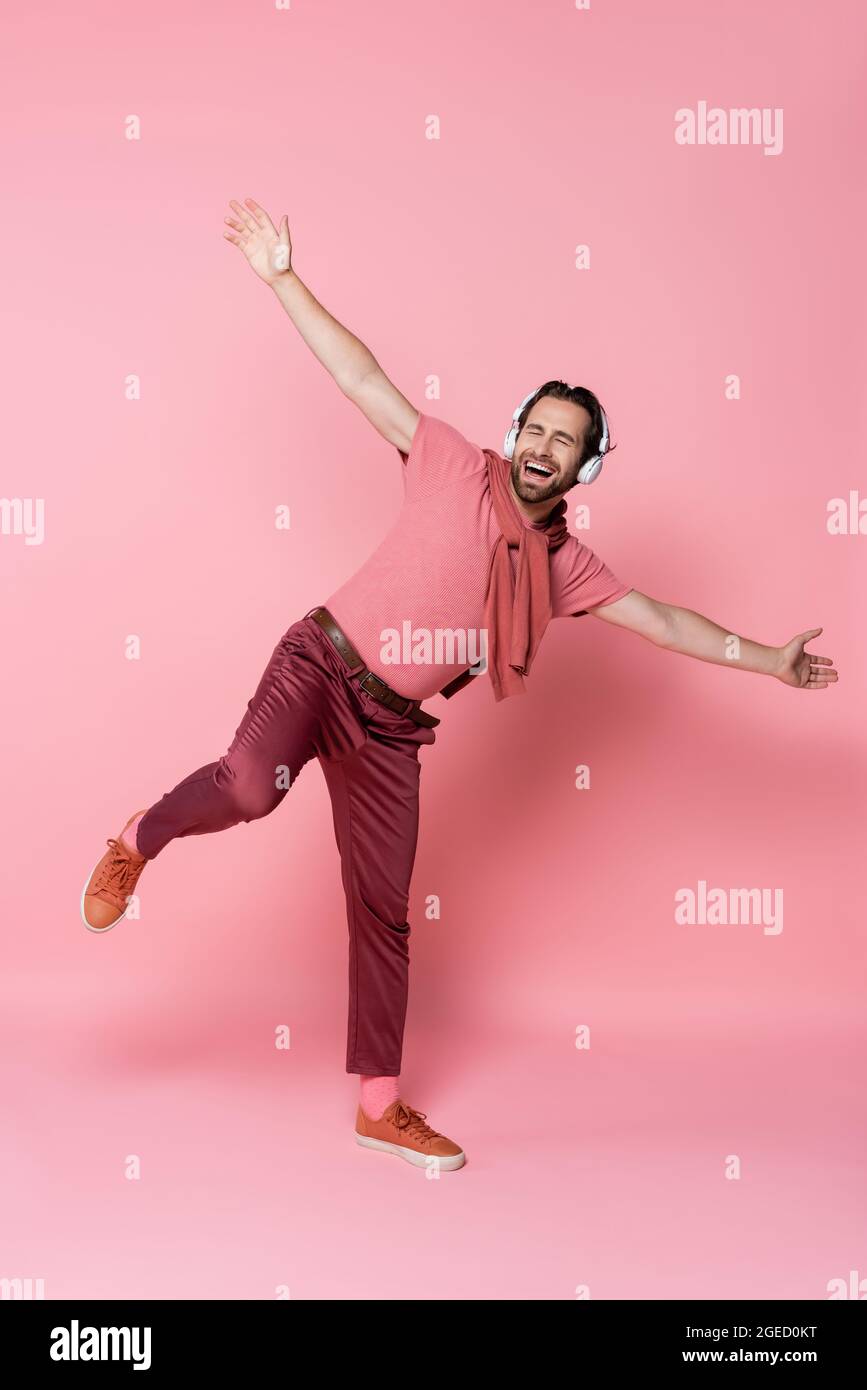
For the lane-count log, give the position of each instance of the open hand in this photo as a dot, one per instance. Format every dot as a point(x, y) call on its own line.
point(267, 248)
point(803, 669)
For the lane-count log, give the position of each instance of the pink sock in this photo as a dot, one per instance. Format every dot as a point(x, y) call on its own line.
point(129, 835)
point(377, 1094)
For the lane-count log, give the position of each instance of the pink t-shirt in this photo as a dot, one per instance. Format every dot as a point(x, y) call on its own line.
point(415, 610)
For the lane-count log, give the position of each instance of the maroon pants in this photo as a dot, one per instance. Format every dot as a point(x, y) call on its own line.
point(306, 705)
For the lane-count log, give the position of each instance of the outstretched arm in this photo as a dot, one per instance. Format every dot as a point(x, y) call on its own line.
point(682, 630)
point(356, 371)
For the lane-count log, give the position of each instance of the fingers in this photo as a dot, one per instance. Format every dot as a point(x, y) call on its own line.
point(246, 218)
point(823, 675)
point(261, 216)
point(247, 221)
point(821, 668)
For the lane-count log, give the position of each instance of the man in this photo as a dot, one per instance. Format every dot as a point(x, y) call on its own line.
point(466, 581)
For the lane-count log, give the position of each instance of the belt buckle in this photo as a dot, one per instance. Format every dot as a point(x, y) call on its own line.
point(383, 688)
point(369, 675)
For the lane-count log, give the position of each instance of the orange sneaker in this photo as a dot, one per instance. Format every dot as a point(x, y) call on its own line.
point(402, 1131)
point(104, 898)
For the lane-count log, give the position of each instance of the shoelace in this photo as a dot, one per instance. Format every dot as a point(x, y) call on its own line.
point(119, 873)
point(413, 1121)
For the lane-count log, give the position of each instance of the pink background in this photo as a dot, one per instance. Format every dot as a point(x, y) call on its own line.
point(452, 258)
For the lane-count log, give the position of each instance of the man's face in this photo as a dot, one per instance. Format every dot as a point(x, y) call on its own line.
point(548, 450)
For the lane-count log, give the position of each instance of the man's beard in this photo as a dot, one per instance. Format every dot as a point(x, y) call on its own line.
point(544, 490)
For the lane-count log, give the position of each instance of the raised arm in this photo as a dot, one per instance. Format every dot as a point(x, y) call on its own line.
point(356, 371)
point(682, 630)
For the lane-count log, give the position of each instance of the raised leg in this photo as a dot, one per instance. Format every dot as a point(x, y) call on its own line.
point(274, 740)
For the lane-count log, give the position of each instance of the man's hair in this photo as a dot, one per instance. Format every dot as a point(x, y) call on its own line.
point(578, 395)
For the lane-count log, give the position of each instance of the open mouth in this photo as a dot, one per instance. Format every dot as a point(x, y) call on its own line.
point(538, 471)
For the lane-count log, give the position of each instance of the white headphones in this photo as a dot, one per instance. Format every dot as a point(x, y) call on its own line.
point(589, 471)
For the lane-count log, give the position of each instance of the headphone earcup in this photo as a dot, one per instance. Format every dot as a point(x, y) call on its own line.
point(589, 471)
point(512, 437)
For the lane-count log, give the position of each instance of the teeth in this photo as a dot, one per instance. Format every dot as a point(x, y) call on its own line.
point(540, 468)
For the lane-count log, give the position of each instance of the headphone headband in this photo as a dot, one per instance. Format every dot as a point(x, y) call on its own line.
point(589, 470)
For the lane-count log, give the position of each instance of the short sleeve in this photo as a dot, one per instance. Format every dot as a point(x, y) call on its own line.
point(438, 457)
point(580, 580)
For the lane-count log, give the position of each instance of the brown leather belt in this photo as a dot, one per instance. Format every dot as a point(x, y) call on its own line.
point(367, 679)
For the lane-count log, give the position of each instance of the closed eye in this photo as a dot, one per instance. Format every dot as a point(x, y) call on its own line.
point(534, 429)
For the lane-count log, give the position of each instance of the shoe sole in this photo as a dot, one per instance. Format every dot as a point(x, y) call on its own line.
point(448, 1163)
